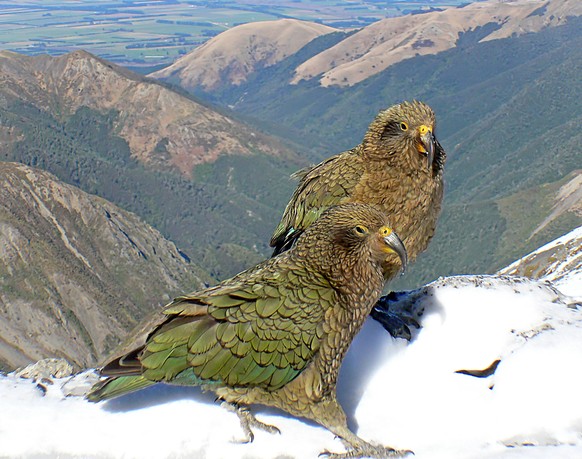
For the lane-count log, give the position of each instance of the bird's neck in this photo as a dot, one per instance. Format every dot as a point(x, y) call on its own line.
point(344, 320)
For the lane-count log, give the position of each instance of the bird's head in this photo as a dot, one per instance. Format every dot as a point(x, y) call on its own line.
point(351, 234)
point(405, 134)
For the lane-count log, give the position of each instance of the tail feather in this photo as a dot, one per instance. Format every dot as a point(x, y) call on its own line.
point(126, 365)
point(117, 386)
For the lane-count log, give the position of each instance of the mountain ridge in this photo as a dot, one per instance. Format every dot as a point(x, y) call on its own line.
point(163, 129)
point(371, 49)
point(194, 173)
point(395, 39)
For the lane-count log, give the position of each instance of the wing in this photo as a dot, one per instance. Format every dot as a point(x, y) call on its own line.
point(260, 332)
point(325, 185)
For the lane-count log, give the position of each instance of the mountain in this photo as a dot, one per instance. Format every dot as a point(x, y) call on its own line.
point(507, 116)
point(507, 112)
point(162, 128)
point(232, 56)
point(240, 51)
point(384, 43)
point(76, 272)
point(559, 261)
point(210, 182)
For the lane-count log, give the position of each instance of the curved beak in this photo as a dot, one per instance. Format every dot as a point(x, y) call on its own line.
point(396, 244)
point(428, 141)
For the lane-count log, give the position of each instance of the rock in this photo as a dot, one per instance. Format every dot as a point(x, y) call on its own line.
point(45, 369)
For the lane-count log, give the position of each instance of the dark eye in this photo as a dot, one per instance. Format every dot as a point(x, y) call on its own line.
point(361, 229)
point(404, 126)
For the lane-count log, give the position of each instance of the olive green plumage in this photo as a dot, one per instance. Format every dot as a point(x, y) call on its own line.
point(276, 333)
point(398, 167)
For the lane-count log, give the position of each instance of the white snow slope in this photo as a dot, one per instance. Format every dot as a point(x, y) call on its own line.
point(559, 261)
point(406, 395)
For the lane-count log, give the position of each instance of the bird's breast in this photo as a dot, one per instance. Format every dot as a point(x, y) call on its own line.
point(412, 203)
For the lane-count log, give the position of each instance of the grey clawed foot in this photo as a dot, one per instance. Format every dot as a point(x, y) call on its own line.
point(367, 450)
point(248, 420)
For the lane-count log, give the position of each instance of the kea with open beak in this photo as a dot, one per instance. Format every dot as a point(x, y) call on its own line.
point(398, 167)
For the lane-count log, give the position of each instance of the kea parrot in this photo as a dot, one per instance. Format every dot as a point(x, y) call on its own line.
point(275, 334)
point(398, 167)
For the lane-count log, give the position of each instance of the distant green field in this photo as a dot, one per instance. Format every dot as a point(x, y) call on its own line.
point(155, 32)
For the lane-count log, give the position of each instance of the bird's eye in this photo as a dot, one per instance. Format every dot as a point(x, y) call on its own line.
point(361, 229)
point(385, 231)
point(404, 126)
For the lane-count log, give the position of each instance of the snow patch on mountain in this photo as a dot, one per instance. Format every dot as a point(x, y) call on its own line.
point(559, 261)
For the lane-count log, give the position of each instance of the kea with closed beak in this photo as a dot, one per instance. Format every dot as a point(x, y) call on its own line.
point(275, 334)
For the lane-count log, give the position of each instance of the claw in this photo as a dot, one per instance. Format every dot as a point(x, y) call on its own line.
point(398, 325)
point(248, 420)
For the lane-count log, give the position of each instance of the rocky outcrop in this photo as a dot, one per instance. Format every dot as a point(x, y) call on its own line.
point(557, 261)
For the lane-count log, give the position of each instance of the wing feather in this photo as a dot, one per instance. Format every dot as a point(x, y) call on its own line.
point(327, 184)
point(258, 329)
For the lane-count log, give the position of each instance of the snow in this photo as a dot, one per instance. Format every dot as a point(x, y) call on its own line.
point(571, 283)
point(566, 274)
point(468, 323)
point(565, 267)
point(406, 395)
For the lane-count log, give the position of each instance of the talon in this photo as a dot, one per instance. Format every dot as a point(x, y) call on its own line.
point(248, 420)
point(397, 324)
